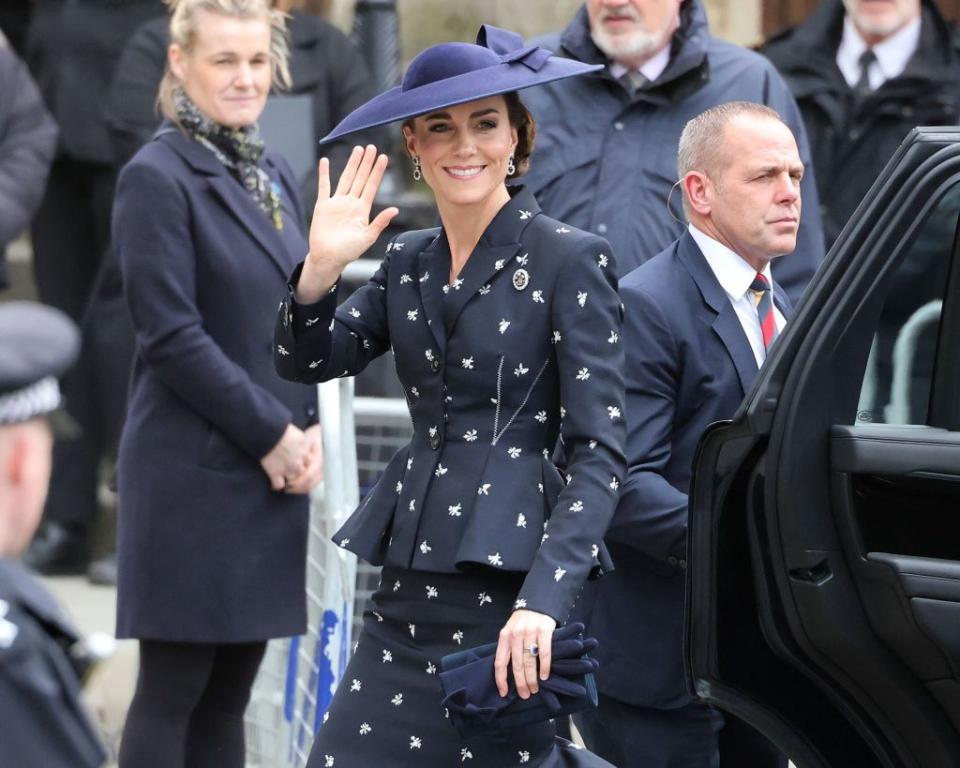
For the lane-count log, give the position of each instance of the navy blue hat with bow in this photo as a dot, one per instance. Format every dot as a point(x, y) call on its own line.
point(455, 73)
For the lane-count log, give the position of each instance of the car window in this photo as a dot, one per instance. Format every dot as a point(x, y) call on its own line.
point(899, 373)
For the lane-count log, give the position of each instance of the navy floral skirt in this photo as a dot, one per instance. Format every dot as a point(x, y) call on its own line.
point(387, 710)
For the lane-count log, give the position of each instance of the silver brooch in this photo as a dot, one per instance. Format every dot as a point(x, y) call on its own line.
point(521, 278)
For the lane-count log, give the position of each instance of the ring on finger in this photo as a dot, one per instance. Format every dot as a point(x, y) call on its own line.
point(533, 649)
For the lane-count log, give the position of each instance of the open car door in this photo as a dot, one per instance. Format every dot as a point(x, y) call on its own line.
point(824, 547)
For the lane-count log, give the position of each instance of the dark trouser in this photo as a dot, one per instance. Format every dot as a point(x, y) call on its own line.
point(188, 708)
point(688, 737)
point(95, 393)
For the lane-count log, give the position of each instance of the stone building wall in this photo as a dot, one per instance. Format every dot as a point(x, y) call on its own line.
point(425, 22)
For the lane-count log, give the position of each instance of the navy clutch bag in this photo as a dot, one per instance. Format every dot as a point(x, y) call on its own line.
point(476, 707)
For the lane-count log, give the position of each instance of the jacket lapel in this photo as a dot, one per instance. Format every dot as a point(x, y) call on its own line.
point(726, 324)
point(433, 264)
point(230, 193)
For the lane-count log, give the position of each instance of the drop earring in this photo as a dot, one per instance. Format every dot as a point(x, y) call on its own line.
point(417, 173)
point(511, 168)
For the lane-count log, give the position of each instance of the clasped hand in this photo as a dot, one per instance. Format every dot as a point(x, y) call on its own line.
point(523, 630)
point(341, 229)
point(295, 464)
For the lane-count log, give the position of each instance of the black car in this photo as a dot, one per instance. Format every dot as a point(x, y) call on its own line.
point(824, 582)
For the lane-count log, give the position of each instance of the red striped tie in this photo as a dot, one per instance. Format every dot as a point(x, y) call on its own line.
point(763, 298)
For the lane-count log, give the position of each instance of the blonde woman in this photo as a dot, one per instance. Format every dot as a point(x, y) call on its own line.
point(217, 453)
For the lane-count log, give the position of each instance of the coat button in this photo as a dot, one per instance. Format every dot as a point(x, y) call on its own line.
point(434, 365)
point(601, 229)
point(434, 441)
point(618, 126)
point(672, 560)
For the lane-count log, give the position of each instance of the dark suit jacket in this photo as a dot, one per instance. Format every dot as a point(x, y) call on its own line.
point(523, 347)
point(688, 364)
point(207, 551)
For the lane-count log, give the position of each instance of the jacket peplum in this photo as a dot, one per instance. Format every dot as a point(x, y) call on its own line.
point(523, 347)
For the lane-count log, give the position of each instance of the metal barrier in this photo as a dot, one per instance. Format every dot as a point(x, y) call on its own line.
point(299, 675)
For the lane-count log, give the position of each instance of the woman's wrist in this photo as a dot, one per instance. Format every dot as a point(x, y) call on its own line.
point(316, 280)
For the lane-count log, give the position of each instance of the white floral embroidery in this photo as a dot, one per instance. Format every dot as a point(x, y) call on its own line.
point(409, 462)
point(315, 363)
point(365, 729)
point(524, 756)
point(521, 370)
point(413, 629)
point(465, 754)
point(457, 284)
point(398, 246)
point(484, 490)
point(445, 289)
point(429, 355)
point(602, 260)
point(412, 505)
point(378, 617)
point(563, 412)
point(614, 483)
point(396, 586)
point(397, 700)
point(540, 487)
point(344, 542)
point(387, 656)
point(484, 289)
point(614, 412)
point(504, 324)
point(399, 486)
point(425, 547)
point(537, 297)
point(454, 510)
point(457, 637)
point(354, 312)
point(541, 417)
point(557, 337)
point(583, 374)
point(559, 574)
point(470, 435)
point(415, 742)
point(521, 520)
point(328, 759)
point(405, 279)
point(413, 314)
point(592, 444)
point(467, 362)
point(520, 603)
point(522, 260)
point(432, 431)
point(614, 337)
point(432, 593)
point(524, 215)
point(414, 391)
point(355, 685)
point(282, 350)
point(595, 550)
point(431, 668)
point(311, 321)
point(561, 230)
point(577, 506)
point(498, 264)
point(440, 470)
point(483, 597)
point(495, 559)
point(582, 298)
point(514, 452)
point(426, 276)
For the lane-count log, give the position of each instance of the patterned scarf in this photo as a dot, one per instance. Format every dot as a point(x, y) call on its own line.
point(238, 149)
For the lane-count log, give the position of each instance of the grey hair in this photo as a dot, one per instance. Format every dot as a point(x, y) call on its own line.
point(183, 32)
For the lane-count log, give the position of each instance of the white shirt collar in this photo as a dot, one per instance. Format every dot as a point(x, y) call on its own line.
point(732, 272)
point(892, 54)
point(651, 69)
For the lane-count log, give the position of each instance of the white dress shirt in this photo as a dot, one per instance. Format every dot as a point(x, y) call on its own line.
point(735, 277)
point(892, 54)
point(652, 68)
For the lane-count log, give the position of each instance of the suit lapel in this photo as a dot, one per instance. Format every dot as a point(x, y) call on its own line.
point(726, 324)
point(433, 264)
point(233, 197)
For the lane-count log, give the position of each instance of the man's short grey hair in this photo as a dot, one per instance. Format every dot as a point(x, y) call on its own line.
point(700, 146)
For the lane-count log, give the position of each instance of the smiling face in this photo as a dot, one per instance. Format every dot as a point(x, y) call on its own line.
point(751, 201)
point(631, 31)
point(227, 72)
point(876, 20)
point(463, 150)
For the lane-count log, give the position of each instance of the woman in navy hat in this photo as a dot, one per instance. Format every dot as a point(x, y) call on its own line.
point(505, 327)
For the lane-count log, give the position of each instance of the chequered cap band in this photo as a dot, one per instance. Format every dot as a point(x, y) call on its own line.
point(29, 402)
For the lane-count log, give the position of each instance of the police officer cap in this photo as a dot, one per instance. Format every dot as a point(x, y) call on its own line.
point(37, 345)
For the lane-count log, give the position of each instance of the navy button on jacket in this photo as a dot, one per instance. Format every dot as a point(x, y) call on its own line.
point(522, 347)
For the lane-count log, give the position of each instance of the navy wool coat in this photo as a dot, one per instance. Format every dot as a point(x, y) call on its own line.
point(688, 364)
point(523, 346)
point(207, 551)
